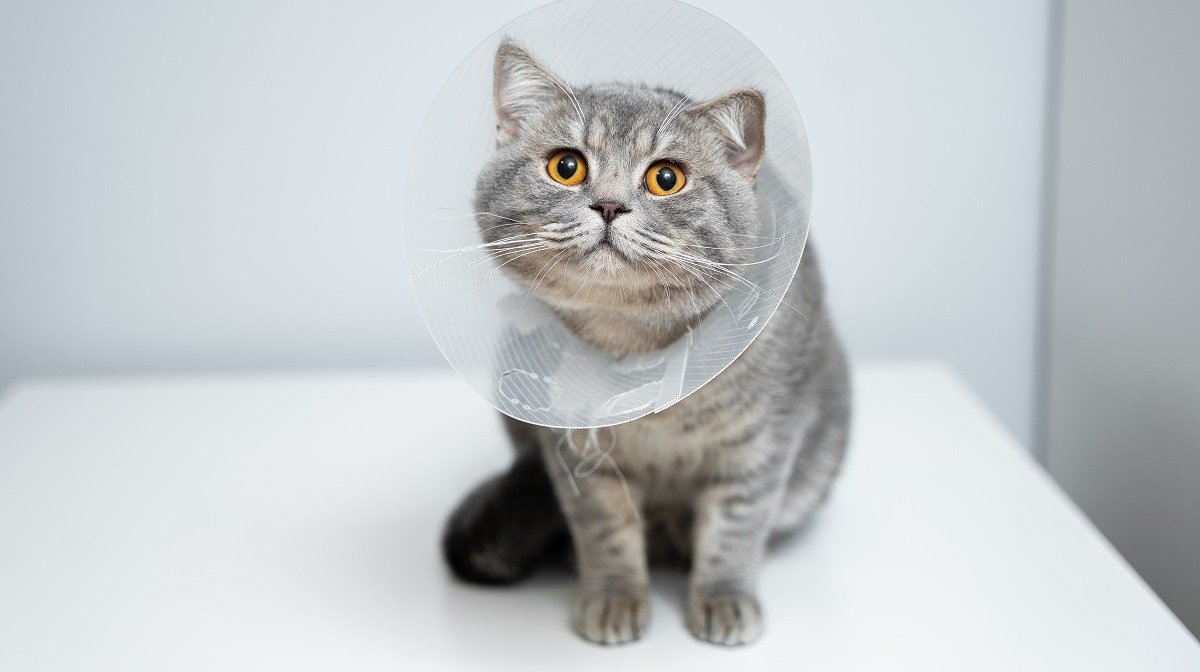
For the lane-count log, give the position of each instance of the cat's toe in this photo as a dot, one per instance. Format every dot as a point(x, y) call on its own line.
point(725, 619)
point(612, 618)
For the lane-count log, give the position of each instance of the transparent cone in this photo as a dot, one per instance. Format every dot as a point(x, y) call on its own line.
point(510, 346)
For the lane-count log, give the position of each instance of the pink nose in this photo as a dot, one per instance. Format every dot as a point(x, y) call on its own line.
point(609, 210)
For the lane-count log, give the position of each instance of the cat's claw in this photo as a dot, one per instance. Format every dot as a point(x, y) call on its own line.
point(730, 620)
point(612, 618)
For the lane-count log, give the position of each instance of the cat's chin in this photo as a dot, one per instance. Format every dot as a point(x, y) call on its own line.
point(606, 261)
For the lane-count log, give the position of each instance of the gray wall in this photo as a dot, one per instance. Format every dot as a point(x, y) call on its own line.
point(1123, 430)
point(215, 185)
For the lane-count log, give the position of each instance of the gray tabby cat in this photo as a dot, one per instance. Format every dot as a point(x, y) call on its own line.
point(627, 209)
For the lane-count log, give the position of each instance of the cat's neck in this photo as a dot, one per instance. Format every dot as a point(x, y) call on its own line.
point(624, 332)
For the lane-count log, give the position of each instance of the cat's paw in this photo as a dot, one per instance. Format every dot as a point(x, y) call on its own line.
point(725, 619)
point(611, 618)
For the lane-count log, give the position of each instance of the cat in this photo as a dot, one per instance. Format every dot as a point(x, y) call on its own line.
point(627, 209)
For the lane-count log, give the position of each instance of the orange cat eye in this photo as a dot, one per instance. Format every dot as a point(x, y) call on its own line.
point(665, 178)
point(567, 167)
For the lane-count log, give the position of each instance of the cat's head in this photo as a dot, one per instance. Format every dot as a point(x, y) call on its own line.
point(619, 199)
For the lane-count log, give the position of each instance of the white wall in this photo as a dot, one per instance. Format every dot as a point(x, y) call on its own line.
point(1123, 433)
point(194, 186)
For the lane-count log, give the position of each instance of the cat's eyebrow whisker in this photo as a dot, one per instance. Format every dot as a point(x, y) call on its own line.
point(688, 98)
point(674, 111)
point(566, 88)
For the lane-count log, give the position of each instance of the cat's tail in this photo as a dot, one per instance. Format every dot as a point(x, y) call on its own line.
point(506, 526)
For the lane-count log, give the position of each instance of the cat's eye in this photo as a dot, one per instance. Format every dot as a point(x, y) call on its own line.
point(567, 167)
point(665, 178)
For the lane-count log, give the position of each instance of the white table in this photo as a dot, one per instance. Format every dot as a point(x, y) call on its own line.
point(291, 522)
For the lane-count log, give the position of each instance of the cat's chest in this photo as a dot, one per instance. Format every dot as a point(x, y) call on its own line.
point(694, 441)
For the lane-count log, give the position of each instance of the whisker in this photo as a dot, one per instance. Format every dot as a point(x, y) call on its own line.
point(533, 247)
point(466, 299)
point(696, 309)
point(469, 213)
point(689, 262)
point(480, 246)
point(675, 110)
point(719, 263)
point(670, 241)
point(574, 101)
point(719, 294)
point(754, 285)
point(546, 272)
point(439, 262)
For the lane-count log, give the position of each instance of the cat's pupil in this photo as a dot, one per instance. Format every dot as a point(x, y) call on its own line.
point(665, 177)
point(567, 166)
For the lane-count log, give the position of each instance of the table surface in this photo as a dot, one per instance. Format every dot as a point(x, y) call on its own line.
point(291, 522)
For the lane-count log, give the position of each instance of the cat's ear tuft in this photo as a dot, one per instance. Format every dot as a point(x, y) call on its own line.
point(740, 118)
point(523, 88)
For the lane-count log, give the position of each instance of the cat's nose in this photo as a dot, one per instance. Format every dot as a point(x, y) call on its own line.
point(609, 210)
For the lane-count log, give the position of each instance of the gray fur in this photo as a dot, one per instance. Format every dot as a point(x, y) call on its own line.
point(711, 480)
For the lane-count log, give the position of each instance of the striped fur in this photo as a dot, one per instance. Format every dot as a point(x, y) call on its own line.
point(710, 481)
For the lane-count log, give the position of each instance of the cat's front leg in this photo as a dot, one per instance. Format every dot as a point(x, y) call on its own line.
point(600, 508)
point(732, 524)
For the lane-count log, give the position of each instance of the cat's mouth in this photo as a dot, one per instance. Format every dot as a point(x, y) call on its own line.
point(607, 249)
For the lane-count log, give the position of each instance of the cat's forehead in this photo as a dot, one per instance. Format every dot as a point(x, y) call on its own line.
point(628, 119)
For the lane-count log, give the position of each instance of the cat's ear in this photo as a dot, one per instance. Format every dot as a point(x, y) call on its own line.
point(740, 118)
point(523, 87)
